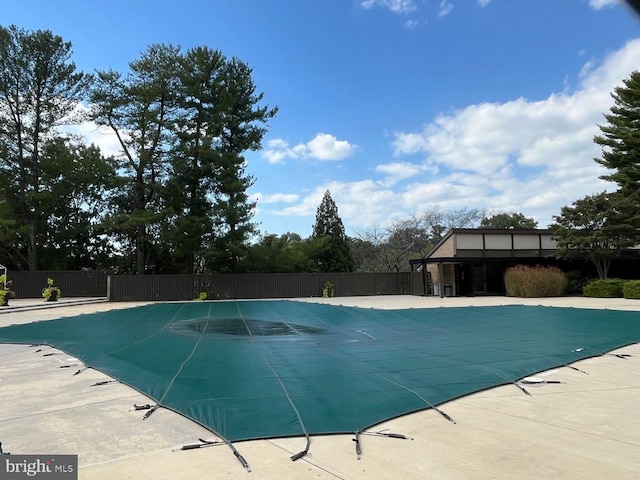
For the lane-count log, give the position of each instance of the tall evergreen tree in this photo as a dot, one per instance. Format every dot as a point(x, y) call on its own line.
point(220, 119)
point(192, 183)
point(184, 122)
point(328, 222)
point(39, 91)
point(329, 241)
point(620, 142)
point(620, 138)
point(243, 126)
point(140, 109)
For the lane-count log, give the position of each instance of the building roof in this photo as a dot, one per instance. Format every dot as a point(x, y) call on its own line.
point(543, 236)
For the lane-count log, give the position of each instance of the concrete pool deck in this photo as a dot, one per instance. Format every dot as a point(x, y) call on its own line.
point(587, 427)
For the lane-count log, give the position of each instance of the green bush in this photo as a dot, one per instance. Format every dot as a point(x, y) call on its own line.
point(607, 288)
point(538, 281)
point(631, 289)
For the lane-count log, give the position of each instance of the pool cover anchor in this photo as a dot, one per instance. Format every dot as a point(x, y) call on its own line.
point(214, 443)
point(304, 452)
point(576, 369)
point(379, 433)
point(203, 443)
point(384, 433)
point(240, 458)
point(623, 356)
point(536, 381)
point(104, 382)
point(358, 447)
point(151, 410)
point(521, 388)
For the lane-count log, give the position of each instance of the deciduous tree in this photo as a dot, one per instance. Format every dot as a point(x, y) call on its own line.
point(508, 221)
point(595, 227)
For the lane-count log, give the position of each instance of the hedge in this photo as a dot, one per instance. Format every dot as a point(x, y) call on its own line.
point(606, 288)
point(631, 289)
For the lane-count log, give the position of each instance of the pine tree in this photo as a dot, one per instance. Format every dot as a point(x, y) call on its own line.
point(140, 109)
point(329, 241)
point(328, 221)
point(620, 139)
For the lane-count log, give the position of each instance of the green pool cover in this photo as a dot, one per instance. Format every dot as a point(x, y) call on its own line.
point(260, 369)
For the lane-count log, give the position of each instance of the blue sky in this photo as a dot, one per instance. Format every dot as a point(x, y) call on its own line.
point(395, 106)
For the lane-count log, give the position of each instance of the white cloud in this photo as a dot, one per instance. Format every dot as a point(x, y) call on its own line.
point(359, 203)
point(529, 156)
point(444, 8)
point(277, 198)
point(91, 133)
point(600, 4)
point(398, 171)
point(587, 68)
point(396, 6)
point(413, 9)
point(414, 23)
point(321, 147)
point(496, 144)
point(326, 147)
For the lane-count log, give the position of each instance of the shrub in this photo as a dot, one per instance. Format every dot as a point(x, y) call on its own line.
point(607, 288)
point(576, 282)
point(538, 281)
point(631, 289)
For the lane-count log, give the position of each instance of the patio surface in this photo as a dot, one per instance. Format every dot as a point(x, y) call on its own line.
point(587, 427)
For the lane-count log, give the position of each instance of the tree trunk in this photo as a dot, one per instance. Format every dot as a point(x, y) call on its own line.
point(33, 248)
point(141, 249)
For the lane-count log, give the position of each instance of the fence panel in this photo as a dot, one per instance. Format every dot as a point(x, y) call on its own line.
point(186, 287)
point(86, 283)
point(246, 286)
